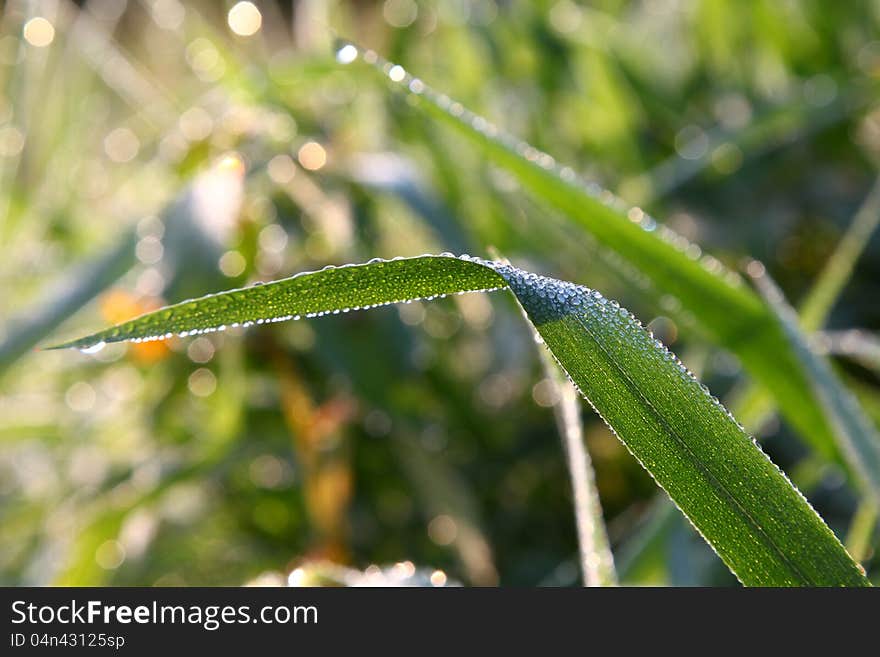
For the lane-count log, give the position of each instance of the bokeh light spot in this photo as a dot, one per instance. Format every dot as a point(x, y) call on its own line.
point(121, 145)
point(38, 32)
point(245, 19)
point(273, 238)
point(80, 397)
point(200, 350)
point(110, 555)
point(691, 142)
point(400, 13)
point(312, 156)
point(202, 382)
point(195, 124)
point(545, 394)
point(442, 529)
point(232, 263)
point(281, 169)
point(11, 141)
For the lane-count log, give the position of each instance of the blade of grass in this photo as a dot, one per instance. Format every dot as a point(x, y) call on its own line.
point(857, 344)
point(857, 435)
point(640, 550)
point(387, 173)
point(837, 271)
point(694, 449)
point(775, 129)
point(742, 504)
point(77, 288)
point(861, 530)
point(332, 290)
point(597, 562)
point(442, 492)
point(651, 255)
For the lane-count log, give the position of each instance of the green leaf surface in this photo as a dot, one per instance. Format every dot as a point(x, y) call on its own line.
point(332, 290)
point(597, 561)
point(649, 254)
point(743, 505)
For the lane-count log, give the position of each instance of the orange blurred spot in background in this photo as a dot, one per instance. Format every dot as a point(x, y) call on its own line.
point(118, 306)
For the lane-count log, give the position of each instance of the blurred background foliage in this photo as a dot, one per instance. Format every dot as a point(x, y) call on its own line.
point(154, 150)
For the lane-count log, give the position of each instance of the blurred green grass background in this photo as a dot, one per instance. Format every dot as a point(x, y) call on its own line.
point(154, 150)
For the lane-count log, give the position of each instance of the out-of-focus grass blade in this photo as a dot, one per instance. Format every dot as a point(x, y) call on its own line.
point(596, 559)
point(442, 492)
point(837, 271)
point(861, 530)
point(777, 128)
point(753, 404)
point(389, 173)
point(858, 437)
point(76, 289)
point(597, 562)
point(857, 344)
point(742, 504)
point(641, 552)
point(651, 255)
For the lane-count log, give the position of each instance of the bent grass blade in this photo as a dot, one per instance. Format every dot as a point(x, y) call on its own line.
point(651, 254)
point(332, 290)
point(594, 548)
point(742, 504)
